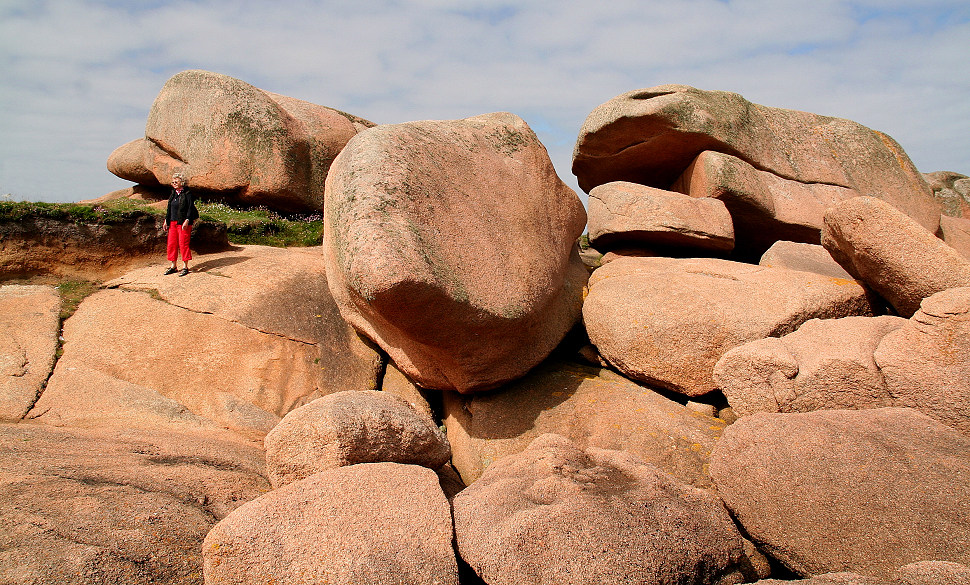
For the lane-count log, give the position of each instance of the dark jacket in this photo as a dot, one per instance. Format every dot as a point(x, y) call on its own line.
point(181, 208)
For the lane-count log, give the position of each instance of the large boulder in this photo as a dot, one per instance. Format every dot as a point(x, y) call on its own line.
point(825, 364)
point(116, 507)
point(29, 326)
point(229, 137)
point(952, 190)
point(955, 231)
point(590, 406)
point(367, 523)
point(764, 207)
point(419, 218)
point(865, 491)
point(926, 362)
point(346, 428)
point(892, 253)
point(650, 136)
point(558, 514)
point(804, 257)
point(667, 321)
point(626, 213)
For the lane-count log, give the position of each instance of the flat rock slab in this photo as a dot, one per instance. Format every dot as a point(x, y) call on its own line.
point(590, 406)
point(29, 323)
point(556, 513)
point(234, 376)
point(279, 291)
point(367, 523)
point(805, 257)
point(419, 217)
point(116, 507)
point(626, 213)
point(892, 253)
point(865, 491)
point(650, 136)
point(667, 321)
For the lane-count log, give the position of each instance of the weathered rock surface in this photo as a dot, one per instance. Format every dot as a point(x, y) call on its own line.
point(278, 291)
point(650, 136)
point(116, 507)
point(396, 383)
point(926, 362)
point(233, 375)
point(590, 406)
point(892, 253)
point(952, 190)
point(232, 138)
point(825, 364)
point(92, 250)
point(804, 257)
point(626, 213)
point(346, 428)
point(830, 579)
point(29, 326)
point(667, 321)
point(558, 514)
point(765, 208)
point(955, 231)
point(865, 491)
point(933, 573)
point(418, 216)
point(367, 523)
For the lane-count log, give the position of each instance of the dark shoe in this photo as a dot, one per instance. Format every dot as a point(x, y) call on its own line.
point(171, 270)
point(183, 272)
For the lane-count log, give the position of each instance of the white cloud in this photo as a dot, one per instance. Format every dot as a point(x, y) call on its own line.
point(80, 75)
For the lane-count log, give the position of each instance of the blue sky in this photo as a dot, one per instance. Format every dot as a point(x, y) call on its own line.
point(78, 77)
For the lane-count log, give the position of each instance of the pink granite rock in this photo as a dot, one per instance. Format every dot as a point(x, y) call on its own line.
point(418, 219)
point(352, 427)
point(955, 231)
point(625, 213)
point(131, 161)
point(804, 257)
point(865, 491)
point(892, 253)
point(29, 327)
point(558, 514)
point(926, 362)
point(667, 321)
point(367, 523)
point(825, 364)
point(650, 136)
point(952, 190)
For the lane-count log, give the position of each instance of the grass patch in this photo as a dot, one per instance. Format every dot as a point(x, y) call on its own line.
point(72, 293)
point(72, 212)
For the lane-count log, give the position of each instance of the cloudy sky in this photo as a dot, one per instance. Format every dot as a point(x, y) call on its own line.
point(77, 77)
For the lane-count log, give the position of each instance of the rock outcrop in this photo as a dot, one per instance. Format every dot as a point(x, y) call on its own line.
point(237, 141)
point(417, 220)
point(29, 326)
point(558, 514)
point(804, 257)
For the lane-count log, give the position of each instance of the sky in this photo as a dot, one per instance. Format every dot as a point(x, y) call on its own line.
point(78, 77)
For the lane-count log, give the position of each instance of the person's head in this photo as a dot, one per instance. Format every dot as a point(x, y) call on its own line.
point(178, 181)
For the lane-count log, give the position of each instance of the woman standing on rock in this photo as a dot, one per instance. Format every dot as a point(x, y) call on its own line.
point(178, 221)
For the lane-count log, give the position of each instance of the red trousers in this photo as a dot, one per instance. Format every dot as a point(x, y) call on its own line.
point(178, 239)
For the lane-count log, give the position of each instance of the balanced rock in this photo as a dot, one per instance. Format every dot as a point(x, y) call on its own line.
point(418, 217)
point(892, 253)
point(650, 136)
point(558, 514)
point(804, 257)
point(121, 506)
point(29, 324)
point(590, 406)
point(765, 208)
point(367, 523)
point(825, 364)
point(627, 213)
point(229, 137)
point(865, 491)
point(351, 427)
point(667, 321)
point(926, 362)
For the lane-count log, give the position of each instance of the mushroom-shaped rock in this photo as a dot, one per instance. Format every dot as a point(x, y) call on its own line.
point(29, 323)
point(667, 321)
point(825, 364)
point(367, 523)
point(865, 491)
point(419, 217)
point(891, 252)
point(346, 428)
point(650, 136)
point(926, 362)
point(558, 514)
